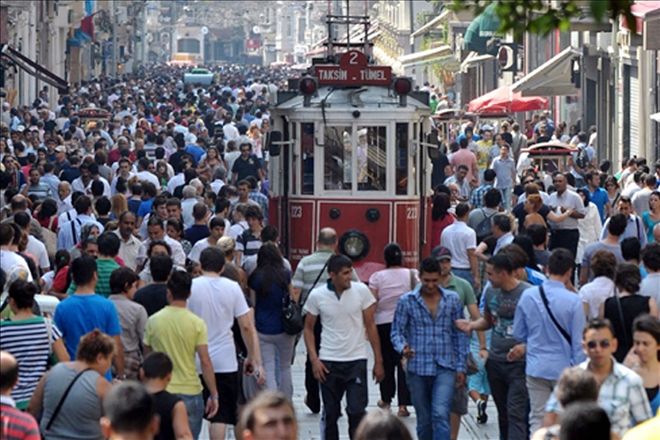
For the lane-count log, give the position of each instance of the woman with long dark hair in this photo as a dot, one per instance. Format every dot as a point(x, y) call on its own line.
point(440, 217)
point(270, 284)
point(387, 286)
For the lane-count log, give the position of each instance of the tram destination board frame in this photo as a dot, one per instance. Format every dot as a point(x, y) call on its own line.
point(353, 70)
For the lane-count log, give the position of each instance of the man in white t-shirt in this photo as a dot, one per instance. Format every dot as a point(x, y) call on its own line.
point(461, 240)
point(217, 229)
point(218, 300)
point(347, 311)
point(10, 261)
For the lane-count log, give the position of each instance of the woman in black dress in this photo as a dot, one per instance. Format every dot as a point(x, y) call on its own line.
point(625, 306)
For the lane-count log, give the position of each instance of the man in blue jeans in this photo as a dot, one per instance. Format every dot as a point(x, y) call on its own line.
point(423, 332)
point(347, 311)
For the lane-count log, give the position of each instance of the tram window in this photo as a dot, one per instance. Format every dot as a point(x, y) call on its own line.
point(337, 154)
point(371, 158)
point(307, 153)
point(402, 159)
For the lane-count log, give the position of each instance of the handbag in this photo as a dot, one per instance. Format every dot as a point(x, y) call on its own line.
point(472, 367)
point(292, 319)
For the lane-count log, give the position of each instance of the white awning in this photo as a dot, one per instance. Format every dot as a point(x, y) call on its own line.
point(425, 56)
point(473, 59)
point(552, 78)
point(431, 24)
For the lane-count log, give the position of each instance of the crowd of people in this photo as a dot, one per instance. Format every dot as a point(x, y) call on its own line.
point(141, 278)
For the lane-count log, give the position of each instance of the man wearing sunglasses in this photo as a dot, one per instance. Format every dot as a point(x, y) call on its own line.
point(621, 394)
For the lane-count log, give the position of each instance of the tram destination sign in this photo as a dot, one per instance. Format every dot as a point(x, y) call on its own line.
point(353, 70)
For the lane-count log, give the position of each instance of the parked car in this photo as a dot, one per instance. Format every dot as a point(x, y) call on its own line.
point(198, 76)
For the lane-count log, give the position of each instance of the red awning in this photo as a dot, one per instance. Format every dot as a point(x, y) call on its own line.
point(640, 10)
point(503, 100)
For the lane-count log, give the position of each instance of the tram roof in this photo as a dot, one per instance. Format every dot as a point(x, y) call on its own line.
point(364, 98)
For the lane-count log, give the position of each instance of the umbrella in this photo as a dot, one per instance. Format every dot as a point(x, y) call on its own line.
point(503, 100)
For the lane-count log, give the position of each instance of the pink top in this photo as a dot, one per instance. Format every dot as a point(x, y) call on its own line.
point(465, 157)
point(390, 285)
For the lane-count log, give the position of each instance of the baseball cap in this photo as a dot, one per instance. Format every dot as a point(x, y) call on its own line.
point(441, 253)
point(60, 149)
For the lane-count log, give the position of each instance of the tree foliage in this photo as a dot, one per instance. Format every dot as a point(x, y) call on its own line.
point(542, 16)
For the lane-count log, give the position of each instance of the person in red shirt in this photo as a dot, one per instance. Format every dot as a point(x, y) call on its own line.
point(14, 424)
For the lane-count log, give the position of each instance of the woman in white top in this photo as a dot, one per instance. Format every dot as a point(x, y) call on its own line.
point(590, 226)
point(387, 286)
point(603, 264)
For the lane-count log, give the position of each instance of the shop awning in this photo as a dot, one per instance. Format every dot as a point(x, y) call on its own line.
point(474, 59)
point(482, 29)
point(552, 78)
point(504, 100)
point(34, 69)
point(432, 24)
point(437, 54)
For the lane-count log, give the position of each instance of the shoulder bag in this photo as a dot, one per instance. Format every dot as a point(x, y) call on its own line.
point(563, 332)
point(292, 316)
point(63, 398)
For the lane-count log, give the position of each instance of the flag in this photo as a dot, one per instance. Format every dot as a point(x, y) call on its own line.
point(87, 26)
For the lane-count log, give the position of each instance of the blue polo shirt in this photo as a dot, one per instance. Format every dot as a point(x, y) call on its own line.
point(600, 199)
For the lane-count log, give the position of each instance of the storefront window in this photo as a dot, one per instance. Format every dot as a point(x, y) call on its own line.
point(307, 154)
point(337, 155)
point(401, 159)
point(371, 153)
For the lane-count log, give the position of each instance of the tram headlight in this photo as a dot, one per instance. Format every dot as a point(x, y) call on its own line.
point(354, 244)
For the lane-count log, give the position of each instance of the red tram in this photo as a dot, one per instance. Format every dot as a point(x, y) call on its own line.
point(348, 152)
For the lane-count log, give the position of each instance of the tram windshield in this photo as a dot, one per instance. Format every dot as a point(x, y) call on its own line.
point(369, 146)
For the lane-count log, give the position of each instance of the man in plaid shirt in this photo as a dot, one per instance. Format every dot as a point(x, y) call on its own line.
point(423, 332)
point(621, 394)
point(477, 196)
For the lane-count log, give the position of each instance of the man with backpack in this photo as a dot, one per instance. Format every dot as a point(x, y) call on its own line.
point(480, 219)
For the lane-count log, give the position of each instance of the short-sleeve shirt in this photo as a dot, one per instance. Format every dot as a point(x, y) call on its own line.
point(153, 297)
point(78, 315)
point(268, 304)
point(501, 306)
point(592, 248)
point(244, 168)
point(569, 200)
point(391, 284)
point(464, 290)
point(217, 301)
point(178, 332)
point(458, 238)
point(133, 320)
point(342, 323)
point(248, 243)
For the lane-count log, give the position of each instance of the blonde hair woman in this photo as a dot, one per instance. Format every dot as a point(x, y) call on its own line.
point(119, 206)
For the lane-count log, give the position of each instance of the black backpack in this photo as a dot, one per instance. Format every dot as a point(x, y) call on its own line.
point(582, 160)
point(484, 227)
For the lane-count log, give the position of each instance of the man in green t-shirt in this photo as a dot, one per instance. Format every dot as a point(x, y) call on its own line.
point(108, 244)
point(465, 292)
point(180, 334)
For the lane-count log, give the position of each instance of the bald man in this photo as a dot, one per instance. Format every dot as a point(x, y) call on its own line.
point(16, 425)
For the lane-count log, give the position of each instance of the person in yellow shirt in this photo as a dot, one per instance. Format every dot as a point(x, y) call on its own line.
point(646, 431)
point(179, 333)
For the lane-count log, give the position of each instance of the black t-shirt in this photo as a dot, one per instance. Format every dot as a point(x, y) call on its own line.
point(152, 297)
point(165, 402)
point(244, 168)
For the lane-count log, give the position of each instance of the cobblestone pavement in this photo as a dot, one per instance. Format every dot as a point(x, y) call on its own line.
point(308, 423)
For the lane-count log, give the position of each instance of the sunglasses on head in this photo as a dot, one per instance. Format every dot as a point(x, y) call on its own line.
point(593, 344)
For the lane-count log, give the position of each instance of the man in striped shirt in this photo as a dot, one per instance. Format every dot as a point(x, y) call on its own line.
point(14, 424)
point(312, 270)
point(35, 187)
